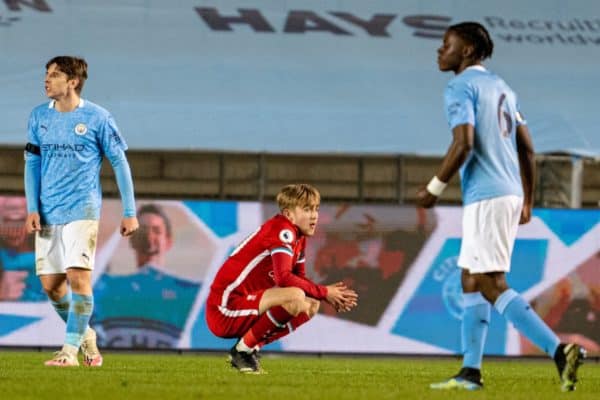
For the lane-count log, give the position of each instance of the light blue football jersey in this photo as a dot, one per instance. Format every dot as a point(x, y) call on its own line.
point(72, 146)
point(482, 99)
point(147, 309)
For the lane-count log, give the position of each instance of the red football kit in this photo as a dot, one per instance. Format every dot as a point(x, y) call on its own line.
point(273, 256)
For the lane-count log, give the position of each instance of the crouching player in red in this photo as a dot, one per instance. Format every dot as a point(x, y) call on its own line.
point(261, 293)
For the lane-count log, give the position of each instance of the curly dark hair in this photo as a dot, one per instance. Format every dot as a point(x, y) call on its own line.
point(475, 34)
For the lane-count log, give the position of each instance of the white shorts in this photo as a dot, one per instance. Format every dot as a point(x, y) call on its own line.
point(58, 247)
point(489, 232)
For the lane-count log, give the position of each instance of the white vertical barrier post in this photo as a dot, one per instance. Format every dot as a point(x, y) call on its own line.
point(576, 181)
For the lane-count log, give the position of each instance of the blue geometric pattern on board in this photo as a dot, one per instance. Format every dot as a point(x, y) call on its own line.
point(219, 216)
point(568, 225)
point(10, 323)
point(434, 312)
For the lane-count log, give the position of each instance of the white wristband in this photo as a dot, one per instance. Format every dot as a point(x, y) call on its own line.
point(436, 187)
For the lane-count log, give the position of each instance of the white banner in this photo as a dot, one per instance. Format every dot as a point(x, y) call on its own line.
point(345, 76)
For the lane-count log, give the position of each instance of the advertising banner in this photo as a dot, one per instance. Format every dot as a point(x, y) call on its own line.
point(150, 289)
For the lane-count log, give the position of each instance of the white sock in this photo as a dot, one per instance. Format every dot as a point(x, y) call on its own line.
point(72, 350)
point(241, 346)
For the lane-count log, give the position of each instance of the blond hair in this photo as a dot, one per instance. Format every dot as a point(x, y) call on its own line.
point(301, 194)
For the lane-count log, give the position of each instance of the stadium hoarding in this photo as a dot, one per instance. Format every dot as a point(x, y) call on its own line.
point(400, 259)
point(347, 76)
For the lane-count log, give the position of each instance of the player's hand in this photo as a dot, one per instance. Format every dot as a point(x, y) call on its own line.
point(425, 199)
point(525, 214)
point(32, 223)
point(12, 284)
point(341, 297)
point(129, 225)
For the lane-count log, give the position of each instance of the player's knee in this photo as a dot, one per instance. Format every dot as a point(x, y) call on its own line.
point(79, 284)
point(491, 293)
point(55, 293)
point(313, 307)
point(55, 289)
point(309, 306)
point(468, 282)
point(295, 295)
point(296, 303)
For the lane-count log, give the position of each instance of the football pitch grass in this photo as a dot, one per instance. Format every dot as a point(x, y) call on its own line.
point(162, 376)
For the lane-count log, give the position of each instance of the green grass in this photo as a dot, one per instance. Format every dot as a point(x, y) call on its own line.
point(195, 376)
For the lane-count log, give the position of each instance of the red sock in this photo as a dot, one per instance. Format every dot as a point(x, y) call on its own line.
point(291, 326)
point(275, 318)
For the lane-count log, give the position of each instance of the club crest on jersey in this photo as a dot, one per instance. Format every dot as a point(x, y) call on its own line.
point(286, 236)
point(80, 129)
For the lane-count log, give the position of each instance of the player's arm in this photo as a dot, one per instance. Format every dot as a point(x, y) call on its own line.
point(32, 178)
point(338, 294)
point(462, 142)
point(460, 112)
point(114, 148)
point(120, 165)
point(527, 167)
point(284, 277)
point(299, 268)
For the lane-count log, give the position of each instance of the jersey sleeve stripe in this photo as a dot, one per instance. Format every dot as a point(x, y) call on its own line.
point(282, 250)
